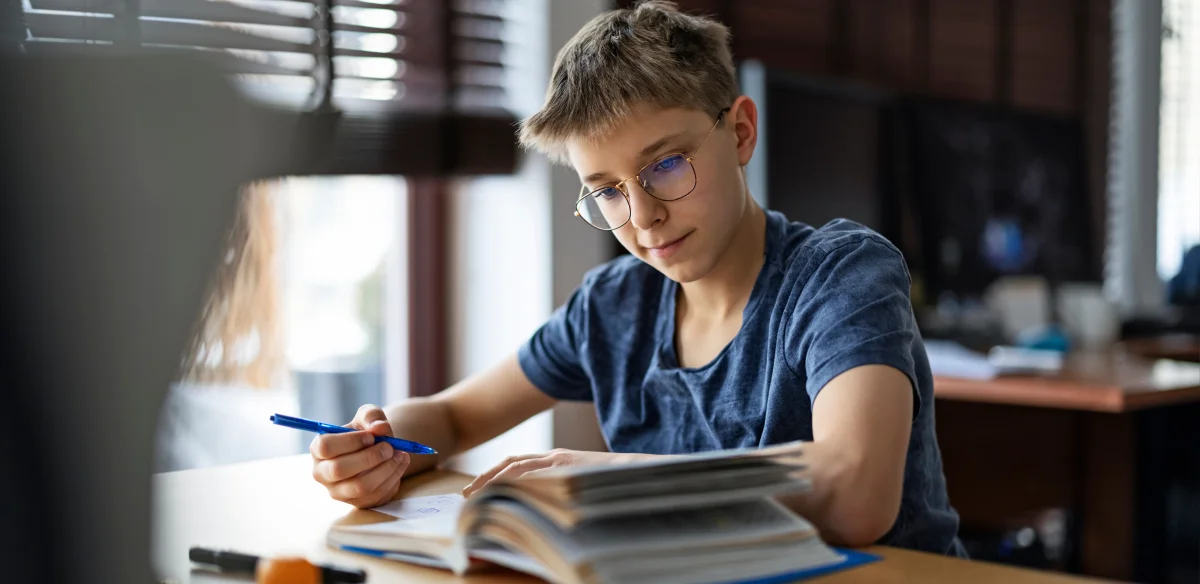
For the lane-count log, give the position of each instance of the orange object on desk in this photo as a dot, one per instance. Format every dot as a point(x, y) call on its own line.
point(274, 504)
point(287, 571)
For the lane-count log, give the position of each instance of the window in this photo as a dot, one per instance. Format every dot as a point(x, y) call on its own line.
point(342, 291)
point(312, 304)
point(380, 88)
point(1179, 136)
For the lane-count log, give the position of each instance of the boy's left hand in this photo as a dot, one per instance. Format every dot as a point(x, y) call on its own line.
point(515, 466)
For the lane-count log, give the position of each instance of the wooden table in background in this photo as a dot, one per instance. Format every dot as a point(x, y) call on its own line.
point(1180, 347)
point(1012, 446)
point(274, 507)
point(1110, 382)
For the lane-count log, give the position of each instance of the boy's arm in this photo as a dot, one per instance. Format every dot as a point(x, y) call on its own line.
point(355, 470)
point(861, 425)
point(468, 413)
point(852, 335)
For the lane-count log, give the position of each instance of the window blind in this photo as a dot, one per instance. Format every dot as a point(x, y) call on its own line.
point(389, 69)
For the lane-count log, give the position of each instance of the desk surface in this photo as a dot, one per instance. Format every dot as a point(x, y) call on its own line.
point(1114, 382)
point(1181, 347)
point(274, 507)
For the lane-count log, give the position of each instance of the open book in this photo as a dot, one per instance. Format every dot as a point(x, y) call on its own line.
point(700, 518)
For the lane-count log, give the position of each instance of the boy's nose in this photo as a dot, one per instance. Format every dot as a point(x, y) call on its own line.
point(645, 211)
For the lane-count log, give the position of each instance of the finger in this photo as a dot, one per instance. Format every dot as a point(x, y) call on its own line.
point(388, 491)
point(328, 446)
point(351, 465)
point(380, 428)
point(402, 460)
point(483, 478)
point(364, 487)
point(510, 472)
point(516, 470)
point(365, 416)
point(538, 472)
point(383, 495)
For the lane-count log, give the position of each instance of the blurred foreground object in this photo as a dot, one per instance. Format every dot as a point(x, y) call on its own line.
point(121, 178)
point(120, 181)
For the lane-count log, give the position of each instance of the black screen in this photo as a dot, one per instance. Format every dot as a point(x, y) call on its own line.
point(998, 193)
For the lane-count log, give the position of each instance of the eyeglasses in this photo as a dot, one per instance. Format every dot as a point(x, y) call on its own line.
point(669, 178)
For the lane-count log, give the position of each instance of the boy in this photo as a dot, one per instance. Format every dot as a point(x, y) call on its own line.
point(726, 326)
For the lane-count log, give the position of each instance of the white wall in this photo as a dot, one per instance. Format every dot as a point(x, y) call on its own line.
point(517, 251)
point(577, 247)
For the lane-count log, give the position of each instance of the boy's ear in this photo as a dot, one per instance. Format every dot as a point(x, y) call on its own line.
point(743, 114)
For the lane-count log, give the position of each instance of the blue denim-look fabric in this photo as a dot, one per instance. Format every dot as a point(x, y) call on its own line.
point(826, 300)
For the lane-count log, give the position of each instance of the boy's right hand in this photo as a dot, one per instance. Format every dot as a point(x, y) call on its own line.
point(353, 467)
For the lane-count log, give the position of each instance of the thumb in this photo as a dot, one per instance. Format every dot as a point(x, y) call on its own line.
point(380, 428)
point(372, 419)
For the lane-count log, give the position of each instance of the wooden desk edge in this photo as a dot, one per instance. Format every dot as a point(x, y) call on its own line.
point(205, 490)
point(1046, 393)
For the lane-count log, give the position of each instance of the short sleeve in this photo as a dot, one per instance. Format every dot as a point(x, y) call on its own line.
point(854, 310)
point(551, 358)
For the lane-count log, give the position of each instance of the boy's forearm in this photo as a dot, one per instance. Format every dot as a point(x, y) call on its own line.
point(843, 503)
point(862, 421)
point(428, 422)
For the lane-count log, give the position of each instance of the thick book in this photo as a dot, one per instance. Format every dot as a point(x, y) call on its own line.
point(699, 518)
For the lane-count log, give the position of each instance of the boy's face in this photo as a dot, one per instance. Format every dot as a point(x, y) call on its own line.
point(683, 238)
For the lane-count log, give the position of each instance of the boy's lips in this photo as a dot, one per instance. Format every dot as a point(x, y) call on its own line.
point(667, 249)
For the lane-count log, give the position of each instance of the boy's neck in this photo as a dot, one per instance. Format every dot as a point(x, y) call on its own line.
point(724, 291)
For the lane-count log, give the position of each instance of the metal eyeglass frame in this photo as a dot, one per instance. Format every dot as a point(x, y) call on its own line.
point(619, 185)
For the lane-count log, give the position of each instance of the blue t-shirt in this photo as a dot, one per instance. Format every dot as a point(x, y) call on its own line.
point(826, 300)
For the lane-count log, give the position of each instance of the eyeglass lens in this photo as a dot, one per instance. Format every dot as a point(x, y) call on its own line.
point(667, 179)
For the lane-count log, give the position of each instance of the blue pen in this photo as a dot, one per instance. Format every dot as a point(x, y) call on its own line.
point(323, 428)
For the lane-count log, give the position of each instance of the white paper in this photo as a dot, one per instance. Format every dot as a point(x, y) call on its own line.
point(436, 515)
point(439, 506)
point(954, 360)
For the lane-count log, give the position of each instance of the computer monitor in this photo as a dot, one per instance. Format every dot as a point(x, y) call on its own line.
point(997, 192)
point(826, 150)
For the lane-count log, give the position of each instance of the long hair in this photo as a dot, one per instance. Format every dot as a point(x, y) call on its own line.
point(237, 338)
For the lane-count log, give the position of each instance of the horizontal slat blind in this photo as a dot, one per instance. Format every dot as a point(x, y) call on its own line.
point(418, 53)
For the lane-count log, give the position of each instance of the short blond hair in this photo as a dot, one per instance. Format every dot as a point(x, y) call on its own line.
point(649, 55)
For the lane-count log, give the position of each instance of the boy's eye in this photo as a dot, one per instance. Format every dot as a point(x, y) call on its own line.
point(668, 164)
point(607, 193)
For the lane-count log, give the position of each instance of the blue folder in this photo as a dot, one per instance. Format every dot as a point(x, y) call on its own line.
point(853, 559)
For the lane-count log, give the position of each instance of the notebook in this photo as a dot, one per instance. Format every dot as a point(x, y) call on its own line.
point(693, 519)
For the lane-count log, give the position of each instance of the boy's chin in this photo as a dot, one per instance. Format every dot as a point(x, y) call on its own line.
point(682, 272)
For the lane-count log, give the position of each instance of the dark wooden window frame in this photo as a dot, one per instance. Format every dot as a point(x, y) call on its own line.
point(427, 286)
point(459, 144)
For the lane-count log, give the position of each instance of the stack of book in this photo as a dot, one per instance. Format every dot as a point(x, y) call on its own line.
point(694, 519)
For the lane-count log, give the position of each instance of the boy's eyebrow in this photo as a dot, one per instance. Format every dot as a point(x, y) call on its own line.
point(655, 147)
point(647, 151)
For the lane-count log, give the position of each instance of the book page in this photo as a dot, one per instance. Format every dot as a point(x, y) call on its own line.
point(782, 454)
point(665, 532)
point(424, 507)
point(435, 515)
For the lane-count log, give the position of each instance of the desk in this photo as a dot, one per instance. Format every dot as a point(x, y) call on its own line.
point(1111, 381)
point(1180, 347)
point(274, 506)
point(1074, 440)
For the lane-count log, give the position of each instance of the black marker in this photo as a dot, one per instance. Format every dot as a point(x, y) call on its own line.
point(238, 563)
